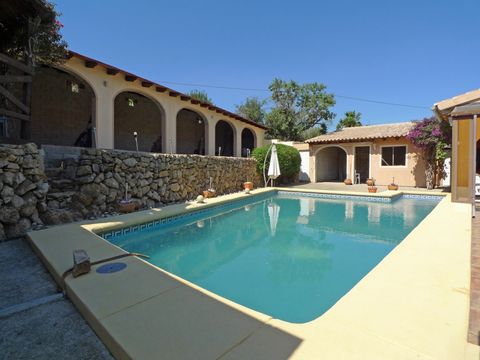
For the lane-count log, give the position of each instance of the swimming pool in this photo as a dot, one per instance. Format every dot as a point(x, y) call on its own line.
point(288, 255)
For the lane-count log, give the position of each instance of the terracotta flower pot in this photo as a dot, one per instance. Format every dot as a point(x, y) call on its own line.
point(208, 194)
point(370, 182)
point(372, 189)
point(347, 181)
point(248, 185)
point(126, 207)
point(392, 187)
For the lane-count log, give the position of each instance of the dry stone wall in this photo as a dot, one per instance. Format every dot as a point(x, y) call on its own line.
point(84, 183)
point(23, 189)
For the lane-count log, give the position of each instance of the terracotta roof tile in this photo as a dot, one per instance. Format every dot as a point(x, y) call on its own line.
point(365, 133)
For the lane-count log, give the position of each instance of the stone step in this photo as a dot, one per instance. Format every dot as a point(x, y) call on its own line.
point(60, 195)
point(53, 172)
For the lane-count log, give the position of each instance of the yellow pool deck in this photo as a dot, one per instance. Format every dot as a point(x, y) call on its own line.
point(413, 305)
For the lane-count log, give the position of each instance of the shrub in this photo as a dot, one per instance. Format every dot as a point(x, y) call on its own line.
point(288, 158)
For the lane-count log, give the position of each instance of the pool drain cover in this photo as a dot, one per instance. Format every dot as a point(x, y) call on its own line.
point(111, 268)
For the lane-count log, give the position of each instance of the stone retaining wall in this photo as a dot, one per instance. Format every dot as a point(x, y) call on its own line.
point(87, 183)
point(23, 189)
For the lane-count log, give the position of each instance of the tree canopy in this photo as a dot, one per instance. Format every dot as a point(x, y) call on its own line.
point(200, 95)
point(315, 131)
point(298, 107)
point(351, 119)
point(31, 29)
point(253, 109)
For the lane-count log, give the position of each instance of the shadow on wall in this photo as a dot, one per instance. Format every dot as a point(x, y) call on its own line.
point(418, 171)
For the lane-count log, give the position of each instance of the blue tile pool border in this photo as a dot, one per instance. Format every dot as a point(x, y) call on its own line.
point(254, 198)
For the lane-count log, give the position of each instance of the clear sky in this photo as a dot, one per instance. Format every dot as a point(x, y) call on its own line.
point(412, 52)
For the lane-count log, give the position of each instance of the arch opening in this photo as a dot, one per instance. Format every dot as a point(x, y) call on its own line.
point(62, 109)
point(191, 132)
point(248, 142)
point(331, 164)
point(134, 112)
point(224, 139)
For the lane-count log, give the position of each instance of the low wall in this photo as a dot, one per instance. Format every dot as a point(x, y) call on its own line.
point(23, 189)
point(78, 183)
point(97, 180)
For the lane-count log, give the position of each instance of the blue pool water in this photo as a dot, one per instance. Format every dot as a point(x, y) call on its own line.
point(288, 256)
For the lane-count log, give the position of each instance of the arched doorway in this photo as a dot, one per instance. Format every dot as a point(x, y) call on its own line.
point(248, 142)
point(134, 112)
point(63, 109)
point(224, 139)
point(191, 130)
point(331, 164)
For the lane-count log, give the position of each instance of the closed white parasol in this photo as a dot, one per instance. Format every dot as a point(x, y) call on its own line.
point(274, 168)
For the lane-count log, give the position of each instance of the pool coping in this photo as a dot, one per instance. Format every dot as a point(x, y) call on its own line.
point(352, 327)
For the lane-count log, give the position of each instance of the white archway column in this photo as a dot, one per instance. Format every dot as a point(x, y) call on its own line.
point(104, 120)
point(210, 149)
point(238, 141)
point(171, 110)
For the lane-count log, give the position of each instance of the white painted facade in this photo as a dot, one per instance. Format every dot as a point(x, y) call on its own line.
point(106, 87)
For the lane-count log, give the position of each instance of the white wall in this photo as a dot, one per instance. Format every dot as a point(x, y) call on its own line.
point(304, 169)
point(107, 87)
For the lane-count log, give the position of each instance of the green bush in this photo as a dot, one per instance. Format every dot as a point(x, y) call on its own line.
point(288, 158)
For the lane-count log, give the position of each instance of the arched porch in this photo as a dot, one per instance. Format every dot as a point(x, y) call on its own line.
point(331, 164)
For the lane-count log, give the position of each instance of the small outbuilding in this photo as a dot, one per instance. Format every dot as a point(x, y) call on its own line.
point(381, 152)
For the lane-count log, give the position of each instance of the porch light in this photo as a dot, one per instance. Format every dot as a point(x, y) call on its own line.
point(131, 102)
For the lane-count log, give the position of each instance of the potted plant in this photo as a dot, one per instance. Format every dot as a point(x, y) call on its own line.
point(126, 205)
point(392, 185)
point(210, 192)
point(372, 189)
point(347, 181)
point(371, 182)
point(248, 185)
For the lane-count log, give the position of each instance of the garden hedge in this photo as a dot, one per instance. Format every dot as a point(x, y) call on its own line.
point(288, 158)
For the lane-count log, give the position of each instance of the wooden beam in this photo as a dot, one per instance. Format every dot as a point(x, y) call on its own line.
point(14, 100)
point(160, 89)
point(219, 111)
point(15, 63)
point(14, 114)
point(14, 78)
point(147, 84)
point(90, 64)
point(173, 93)
point(184, 97)
point(130, 78)
point(204, 105)
point(112, 71)
point(194, 101)
point(211, 107)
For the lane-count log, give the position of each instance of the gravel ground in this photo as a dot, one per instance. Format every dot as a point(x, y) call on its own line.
point(53, 330)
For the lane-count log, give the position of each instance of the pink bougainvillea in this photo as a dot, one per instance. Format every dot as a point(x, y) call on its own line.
point(433, 136)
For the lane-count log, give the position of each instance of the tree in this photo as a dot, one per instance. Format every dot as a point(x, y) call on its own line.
point(433, 136)
point(297, 108)
point(33, 31)
point(252, 109)
point(314, 132)
point(351, 119)
point(200, 95)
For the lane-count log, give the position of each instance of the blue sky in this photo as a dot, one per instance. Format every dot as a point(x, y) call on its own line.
point(413, 52)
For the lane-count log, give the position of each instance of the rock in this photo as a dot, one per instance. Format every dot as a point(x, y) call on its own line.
point(175, 187)
point(7, 194)
point(12, 166)
point(8, 178)
point(163, 173)
point(18, 229)
point(84, 170)
point(130, 162)
point(9, 215)
point(17, 202)
point(25, 187)
point(111, 183)
point(3, 236)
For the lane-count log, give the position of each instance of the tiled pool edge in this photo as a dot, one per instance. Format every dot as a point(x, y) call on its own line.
point(87, 226)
